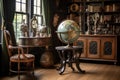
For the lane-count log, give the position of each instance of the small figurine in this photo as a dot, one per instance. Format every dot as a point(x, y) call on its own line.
point(24, 29)
point(43, 31)
point(96, 20)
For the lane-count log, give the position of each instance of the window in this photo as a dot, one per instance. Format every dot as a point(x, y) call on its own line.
point(25, 10)
point(37, 7)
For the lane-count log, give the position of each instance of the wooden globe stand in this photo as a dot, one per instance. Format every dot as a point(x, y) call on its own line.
point(68, 43)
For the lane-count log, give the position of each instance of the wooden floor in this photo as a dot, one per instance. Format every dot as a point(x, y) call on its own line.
point(93, 72)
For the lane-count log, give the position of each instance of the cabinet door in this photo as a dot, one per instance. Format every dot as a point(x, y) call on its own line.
point(93, 50)
point(82, 42)
point(108, 48)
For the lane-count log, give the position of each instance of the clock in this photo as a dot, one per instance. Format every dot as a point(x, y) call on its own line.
point(74, 7)
point(34, 25)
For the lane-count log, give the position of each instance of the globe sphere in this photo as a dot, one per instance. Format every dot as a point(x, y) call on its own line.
point(68, 31)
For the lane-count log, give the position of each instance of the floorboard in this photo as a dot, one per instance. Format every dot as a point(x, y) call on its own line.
point(93, 72)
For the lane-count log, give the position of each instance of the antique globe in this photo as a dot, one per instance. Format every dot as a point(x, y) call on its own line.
point(68, 31)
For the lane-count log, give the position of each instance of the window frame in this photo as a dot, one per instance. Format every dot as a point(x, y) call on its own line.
point(29, 13)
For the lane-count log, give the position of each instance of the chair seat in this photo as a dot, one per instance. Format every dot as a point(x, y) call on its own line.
point(23, 58)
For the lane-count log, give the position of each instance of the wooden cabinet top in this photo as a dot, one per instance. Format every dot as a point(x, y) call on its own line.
point(107, 35)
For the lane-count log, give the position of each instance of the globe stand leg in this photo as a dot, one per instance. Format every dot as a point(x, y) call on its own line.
point(68, 45)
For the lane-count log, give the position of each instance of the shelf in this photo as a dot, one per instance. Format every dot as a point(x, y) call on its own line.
point(70, 3)
point(93, 13)
point(111, 1)
point(116, 24)
point(109, 13)
point(94, 2)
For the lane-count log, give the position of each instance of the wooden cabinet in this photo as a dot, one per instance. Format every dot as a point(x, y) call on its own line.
point(93, 50)
point(83, 43)
point(108, 48)
point(98, 47)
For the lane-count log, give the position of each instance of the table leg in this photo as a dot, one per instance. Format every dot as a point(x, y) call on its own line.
point(70, 55)
point(70, 65)
point(62, 67)
point(77, 61)
point(78, 67)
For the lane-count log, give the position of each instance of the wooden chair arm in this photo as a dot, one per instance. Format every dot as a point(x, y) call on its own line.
point(20, 51)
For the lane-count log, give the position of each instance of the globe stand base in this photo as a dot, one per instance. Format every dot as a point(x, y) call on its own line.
point(68, 46)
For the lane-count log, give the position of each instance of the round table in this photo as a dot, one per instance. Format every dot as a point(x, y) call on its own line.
point(69, 55)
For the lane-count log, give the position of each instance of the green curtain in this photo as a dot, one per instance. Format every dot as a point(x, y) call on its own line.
point(47, 12)
point(7, 9)
point(3, 56)
point(8, 16)
point(1, 12)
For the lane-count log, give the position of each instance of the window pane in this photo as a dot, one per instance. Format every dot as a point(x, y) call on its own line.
point(38, 2)
point(34, 9)
point(18, 27)
point(14, 24)
point(18, 0)
point(38, 10)
point(18, 7)
point(39, 20)
point(18, 31)
point(19, 18)
point(25, 18)
point(34, 2)
point(15, 18)
point(23, 7)
point(37, 7)
point(23, 1)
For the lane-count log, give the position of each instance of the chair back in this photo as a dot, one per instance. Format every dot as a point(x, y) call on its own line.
point(8, 41)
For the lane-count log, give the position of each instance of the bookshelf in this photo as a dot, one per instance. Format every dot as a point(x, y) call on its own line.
point(96, 16)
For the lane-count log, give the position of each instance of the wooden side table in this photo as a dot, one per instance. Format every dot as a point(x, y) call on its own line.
point(69, 55)
point(46, 59)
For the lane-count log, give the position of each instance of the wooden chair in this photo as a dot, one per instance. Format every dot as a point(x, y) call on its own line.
point(24, 61)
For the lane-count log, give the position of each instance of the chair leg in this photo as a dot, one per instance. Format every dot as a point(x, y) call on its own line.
point(33, 71)
point(10, 68)
point(18, 70)
point(33, 68)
